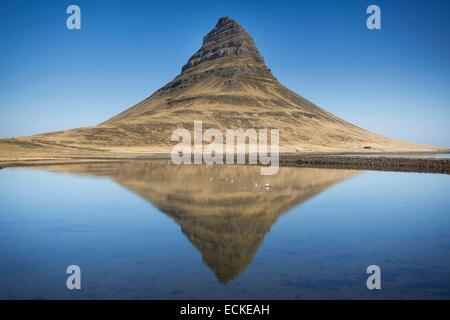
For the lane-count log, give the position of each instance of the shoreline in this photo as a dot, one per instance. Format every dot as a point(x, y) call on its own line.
point(374, 163)
point(366, 161)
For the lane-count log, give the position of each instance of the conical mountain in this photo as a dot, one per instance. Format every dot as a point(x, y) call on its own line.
point(226, 84)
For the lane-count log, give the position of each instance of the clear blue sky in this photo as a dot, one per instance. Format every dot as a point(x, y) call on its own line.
point(395, 81)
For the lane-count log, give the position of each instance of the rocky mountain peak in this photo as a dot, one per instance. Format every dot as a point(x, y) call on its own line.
point(225, 21)
point(228, 42)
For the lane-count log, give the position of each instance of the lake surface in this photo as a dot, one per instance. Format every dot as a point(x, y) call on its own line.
point(153, 230)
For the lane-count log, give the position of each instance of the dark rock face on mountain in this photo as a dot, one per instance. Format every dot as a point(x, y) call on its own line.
point(229, 40)
point(225, 84)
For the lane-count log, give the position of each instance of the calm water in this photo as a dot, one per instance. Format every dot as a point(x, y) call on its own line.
point(151, 230)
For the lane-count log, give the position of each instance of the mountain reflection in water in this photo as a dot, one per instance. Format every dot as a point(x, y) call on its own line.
point(224, 211)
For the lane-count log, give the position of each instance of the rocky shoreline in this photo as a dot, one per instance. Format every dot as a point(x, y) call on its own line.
point(379, 163)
